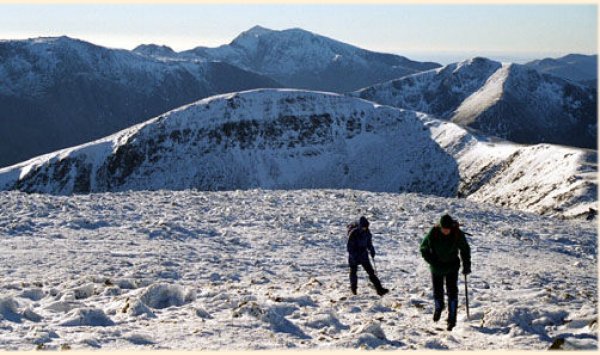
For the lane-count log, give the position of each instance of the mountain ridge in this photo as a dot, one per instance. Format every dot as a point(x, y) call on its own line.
point(293, 139)
point(575, 67)
point(500, 99)
point(57, 92)
point(302, 59)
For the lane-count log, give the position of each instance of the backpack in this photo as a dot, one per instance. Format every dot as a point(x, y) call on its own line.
point(351, 227)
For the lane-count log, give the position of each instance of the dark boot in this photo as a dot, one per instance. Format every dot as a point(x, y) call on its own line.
point(437, 313)
point(452, 308)
point(382, 291)
point(353, 290)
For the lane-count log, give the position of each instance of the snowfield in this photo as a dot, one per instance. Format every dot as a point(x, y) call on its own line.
point(267, 269)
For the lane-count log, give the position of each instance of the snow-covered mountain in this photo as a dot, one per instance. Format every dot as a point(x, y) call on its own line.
point(302, 59)
point(510, 101)
point(288, 139)
point(58, 92)
point(543, 178)
point(574, 67)
point(265, 138)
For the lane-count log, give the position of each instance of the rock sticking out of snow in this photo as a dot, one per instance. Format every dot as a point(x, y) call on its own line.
point(248, 308)
point(163, 295)
point(87, 317)
point(136, 308)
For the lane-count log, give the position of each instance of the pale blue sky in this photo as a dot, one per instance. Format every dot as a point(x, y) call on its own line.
point(442, 33)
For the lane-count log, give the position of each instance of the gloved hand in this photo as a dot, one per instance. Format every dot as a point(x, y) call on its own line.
point(432, 259)
point(466, 270)
point(373, 255)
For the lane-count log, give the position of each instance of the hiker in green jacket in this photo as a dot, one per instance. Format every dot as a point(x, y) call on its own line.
point(440, 249)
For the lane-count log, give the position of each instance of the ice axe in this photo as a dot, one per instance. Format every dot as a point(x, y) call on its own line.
point(467, 298)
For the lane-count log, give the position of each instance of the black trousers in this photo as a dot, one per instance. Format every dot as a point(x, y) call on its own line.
point(368, 268)
point(451, 280)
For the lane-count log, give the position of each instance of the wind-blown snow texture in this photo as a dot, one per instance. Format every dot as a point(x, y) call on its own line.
point(286, 139)
point(262, 269)
point(509, 101)
point(302, 59)
point(58, 92)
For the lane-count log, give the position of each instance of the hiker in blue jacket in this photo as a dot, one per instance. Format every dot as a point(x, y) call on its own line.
point(360, 245)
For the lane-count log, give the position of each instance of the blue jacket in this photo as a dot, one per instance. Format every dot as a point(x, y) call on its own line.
point(360, 244)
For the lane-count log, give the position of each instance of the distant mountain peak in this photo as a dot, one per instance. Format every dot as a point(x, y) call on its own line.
point(480, 60)
point(258, 29)
point(251, 35)
point(507, 100)
point(302, 59)
point(476, 63)
point(55, 40)
point(154, 50)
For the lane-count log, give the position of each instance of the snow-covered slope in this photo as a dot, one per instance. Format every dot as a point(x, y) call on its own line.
point(302, 59)
point(265, 138)
point(575, 67)
point(543, 178)
point(505, 100)
point(262, 269)
point(58, 92)
point(296, 139)
point(438, 91)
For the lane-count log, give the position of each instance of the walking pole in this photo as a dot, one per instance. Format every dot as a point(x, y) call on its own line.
point(467, 298)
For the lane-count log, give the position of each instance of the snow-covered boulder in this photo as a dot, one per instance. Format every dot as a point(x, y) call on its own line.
point(92, 317)
point(373, 328)
point(9, 309)
point(163, 295)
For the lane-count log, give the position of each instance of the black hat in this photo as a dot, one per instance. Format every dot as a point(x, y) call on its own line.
point(446, 221)
point(363, 222)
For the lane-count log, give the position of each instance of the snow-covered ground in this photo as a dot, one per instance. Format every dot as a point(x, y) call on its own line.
point(263, 269)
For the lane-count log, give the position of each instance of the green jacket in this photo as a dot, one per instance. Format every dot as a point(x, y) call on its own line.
point(441, 251)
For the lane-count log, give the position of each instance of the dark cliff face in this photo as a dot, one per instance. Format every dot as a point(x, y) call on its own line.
point(68, 92)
